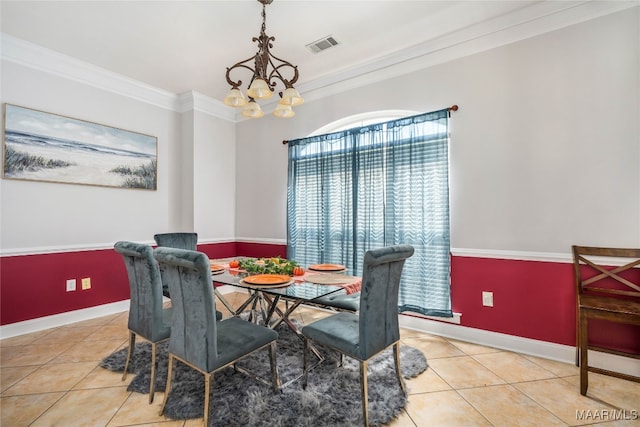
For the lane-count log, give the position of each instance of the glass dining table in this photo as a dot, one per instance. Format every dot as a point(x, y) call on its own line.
point(265, 298)
point(275, 304)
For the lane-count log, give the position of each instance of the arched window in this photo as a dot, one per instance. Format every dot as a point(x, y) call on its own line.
point(363, 119)
point(356, 121)
point(372, 183)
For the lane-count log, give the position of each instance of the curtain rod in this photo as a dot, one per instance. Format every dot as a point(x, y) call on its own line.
point(454, 107)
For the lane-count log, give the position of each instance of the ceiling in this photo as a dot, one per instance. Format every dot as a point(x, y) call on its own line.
point(179, 46)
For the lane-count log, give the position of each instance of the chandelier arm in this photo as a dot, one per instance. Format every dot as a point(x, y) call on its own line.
point(240, 64)
point(284, 64)
point(275, 73)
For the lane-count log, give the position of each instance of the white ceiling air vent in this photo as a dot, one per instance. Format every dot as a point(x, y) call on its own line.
point(322, 44)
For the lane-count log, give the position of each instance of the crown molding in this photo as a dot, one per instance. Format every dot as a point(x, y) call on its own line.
point(537, 19)
point(540, 18)
point(49, 61)
point(196, 101)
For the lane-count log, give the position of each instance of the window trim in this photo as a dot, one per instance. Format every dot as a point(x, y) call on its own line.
point(362, 119)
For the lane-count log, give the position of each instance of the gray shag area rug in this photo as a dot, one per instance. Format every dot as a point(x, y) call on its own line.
point(332, 396)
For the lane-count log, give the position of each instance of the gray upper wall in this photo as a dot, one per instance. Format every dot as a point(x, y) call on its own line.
point(545, 148)
point(545, 151)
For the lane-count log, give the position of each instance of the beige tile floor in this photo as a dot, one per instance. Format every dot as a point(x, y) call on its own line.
point(52, 378)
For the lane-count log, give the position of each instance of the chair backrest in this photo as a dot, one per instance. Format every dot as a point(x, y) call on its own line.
point(187, 241)
point(193, 324)
point(616, 277)
point(145, 307)
point(381, 272)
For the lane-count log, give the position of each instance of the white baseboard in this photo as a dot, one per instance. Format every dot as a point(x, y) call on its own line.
point(547, 350)
point(544, 349)
point(62, 319)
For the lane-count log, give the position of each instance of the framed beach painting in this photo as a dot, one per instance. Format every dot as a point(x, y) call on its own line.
point(40, 146)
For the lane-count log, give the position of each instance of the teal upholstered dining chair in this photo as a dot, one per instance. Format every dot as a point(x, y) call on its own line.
point(177, 240)
point(375, 327)
point(339, 302)
point(187, 241)
point(198, 340)
point(147, 317)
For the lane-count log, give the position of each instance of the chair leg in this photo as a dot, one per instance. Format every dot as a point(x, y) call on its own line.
point(274, 367)
point(167, 389)
point(152, 382)
point(396, 357)
point(305, 363)
point(132, 345)
point(584, 347)
point(578, 336)
point(207, 393)
point(365, 392)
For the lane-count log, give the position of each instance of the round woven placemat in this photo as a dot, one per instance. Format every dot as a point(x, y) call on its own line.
point(330, 279)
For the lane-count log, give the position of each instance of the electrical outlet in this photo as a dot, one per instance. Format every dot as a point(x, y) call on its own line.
point(487, 299)
point(71, 285)
point(86, 283)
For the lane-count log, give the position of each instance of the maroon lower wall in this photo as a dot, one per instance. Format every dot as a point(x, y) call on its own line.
point(261, 250)
point(33, 286)
point(532, 299)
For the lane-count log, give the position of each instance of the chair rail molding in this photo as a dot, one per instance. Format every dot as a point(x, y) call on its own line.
point(562, 257)
point(261, 240)
point(513, 255)
point(43, 250)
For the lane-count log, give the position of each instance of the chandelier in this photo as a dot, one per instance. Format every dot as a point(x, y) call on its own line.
point(267, 71)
